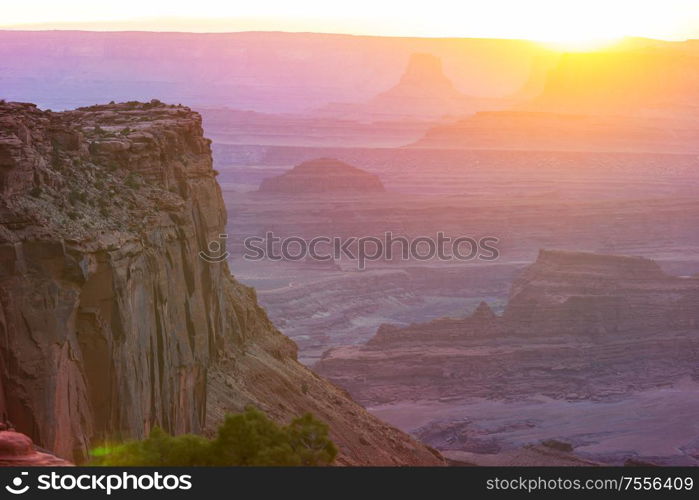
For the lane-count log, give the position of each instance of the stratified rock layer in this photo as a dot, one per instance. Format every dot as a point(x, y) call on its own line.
point(110, 322)
point(548, 131)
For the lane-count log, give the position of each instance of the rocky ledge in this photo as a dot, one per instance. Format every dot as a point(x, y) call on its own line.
point(110, 322)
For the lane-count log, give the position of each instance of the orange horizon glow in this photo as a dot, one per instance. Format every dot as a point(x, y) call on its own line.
point(564, 25)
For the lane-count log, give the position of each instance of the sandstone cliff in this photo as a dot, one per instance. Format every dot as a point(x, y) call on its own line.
point(110, 323)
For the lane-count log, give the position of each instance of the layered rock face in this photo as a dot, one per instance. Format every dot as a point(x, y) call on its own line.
point(110, 322)
point(322, 175)
point(481, 323)
point(574, 293)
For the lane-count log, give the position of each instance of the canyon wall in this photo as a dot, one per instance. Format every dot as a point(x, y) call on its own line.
point(110, 322)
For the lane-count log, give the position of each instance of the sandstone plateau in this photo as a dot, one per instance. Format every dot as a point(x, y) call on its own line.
point(110, 323)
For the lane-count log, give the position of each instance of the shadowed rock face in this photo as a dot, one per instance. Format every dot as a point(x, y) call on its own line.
point(323, 175)
point(482, 323)
point(589, 294)
point(110, 323)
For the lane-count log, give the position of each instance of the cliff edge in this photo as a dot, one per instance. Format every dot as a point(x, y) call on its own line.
point(110, 322)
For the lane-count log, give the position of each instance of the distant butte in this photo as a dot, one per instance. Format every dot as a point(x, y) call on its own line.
point(423, 92)
point(322, 175)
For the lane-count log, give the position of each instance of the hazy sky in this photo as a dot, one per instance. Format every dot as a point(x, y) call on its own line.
point(550, 20)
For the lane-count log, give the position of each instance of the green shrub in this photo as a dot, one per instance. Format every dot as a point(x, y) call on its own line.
point(159, 449)
point(309, 440)
point(249, 439)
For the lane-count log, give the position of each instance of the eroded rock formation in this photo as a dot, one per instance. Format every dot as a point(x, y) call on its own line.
point(423, 92)
point(110, 322)
point(585, 294)
point(323, 175)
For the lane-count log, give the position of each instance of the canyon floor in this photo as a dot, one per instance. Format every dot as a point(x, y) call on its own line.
point(602, 431)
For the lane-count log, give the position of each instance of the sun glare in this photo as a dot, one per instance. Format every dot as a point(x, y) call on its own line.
point(566, 25)
point(582, 44)
point(571, 26)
